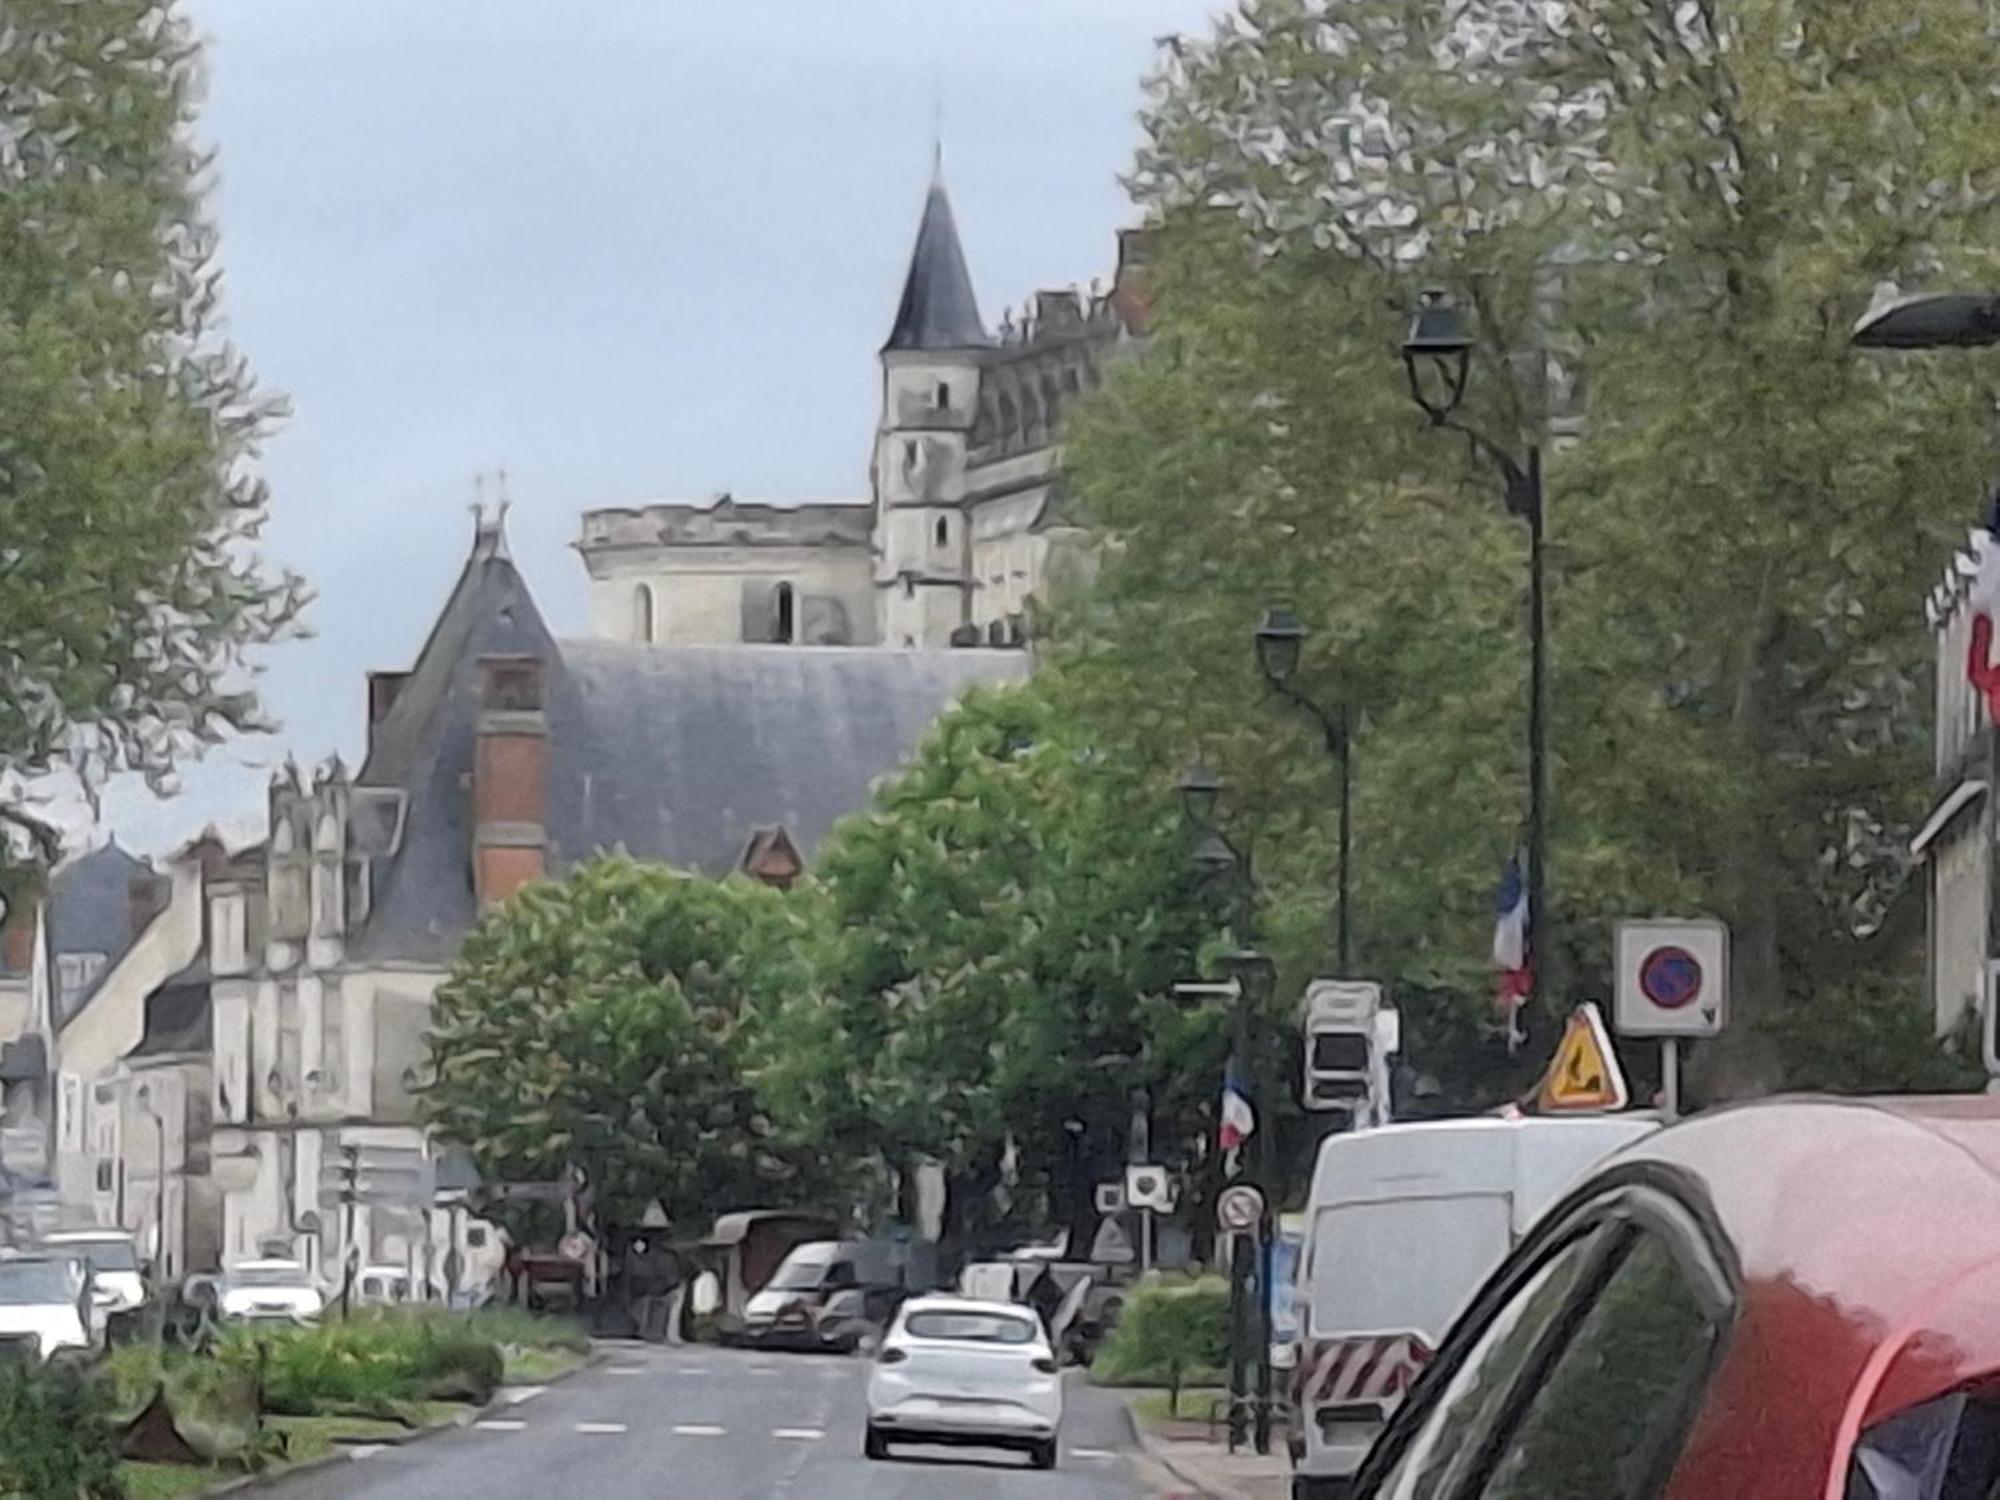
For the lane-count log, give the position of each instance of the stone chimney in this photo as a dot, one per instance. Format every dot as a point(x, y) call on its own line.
point(1130, 294)
point(148, 895)
point(510, 777)
point(17, 938)
point(383, 690)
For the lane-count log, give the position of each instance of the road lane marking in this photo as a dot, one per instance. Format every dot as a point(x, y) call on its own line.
point(798, 1434)
point(495, 1425)
point(626, 1370)
point(1090, 1454)
point(368, 1450)
point(600, 1429)
point(700, 1429)
point(520, 1395)
point(694, 1369)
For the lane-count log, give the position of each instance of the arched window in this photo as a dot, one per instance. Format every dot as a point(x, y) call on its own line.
point(642, 614)
point(784, 614)
point(944, 531)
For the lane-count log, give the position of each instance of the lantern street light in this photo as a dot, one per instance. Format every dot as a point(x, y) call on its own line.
point(1280, 641)
point(1437, 354)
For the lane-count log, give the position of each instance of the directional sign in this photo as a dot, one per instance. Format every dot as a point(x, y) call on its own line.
point(1673, 979)
point(1584, 1077)
point(1240, 1208)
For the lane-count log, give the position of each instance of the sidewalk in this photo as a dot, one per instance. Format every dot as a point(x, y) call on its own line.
point(1201, 1464)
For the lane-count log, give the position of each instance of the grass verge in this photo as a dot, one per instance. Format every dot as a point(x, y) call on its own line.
point(1155, 1408)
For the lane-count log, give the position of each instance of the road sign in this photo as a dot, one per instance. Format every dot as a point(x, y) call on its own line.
point(1113, 1246)
point(1240, 1208)
point(1111, 1197)
point(1584, 1076)
point(1148, 1187)
point(1673, 979)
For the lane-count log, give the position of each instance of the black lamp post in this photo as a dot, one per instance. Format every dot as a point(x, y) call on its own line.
point(1437, 354)
point(1280, 639)
point(1253, 975)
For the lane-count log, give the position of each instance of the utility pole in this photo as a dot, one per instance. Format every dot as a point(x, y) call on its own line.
point(350, 1195)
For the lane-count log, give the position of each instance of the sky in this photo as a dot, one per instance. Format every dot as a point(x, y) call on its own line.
point(626, 250)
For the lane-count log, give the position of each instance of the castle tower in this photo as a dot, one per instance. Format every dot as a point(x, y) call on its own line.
point(930, 395)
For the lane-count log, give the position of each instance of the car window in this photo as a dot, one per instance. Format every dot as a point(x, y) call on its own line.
point(970, 1327)
point(1607, 1418)
point(1948, 1449)
point(1441, 1453)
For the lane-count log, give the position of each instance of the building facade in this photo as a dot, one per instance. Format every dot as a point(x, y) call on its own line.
point(964, 516)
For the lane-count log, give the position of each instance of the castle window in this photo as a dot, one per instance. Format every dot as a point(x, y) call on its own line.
point(783, 614)
point(944, 531)
point(643, 623)
point(943, 398)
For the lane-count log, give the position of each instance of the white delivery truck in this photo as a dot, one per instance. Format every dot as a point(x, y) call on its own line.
point(1404, 1224)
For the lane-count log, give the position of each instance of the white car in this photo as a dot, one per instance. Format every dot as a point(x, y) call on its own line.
point(258, 1290)
point(46, 1298)
point(117, 1282)
point(965, 1372)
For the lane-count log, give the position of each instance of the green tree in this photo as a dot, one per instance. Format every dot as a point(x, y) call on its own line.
point(128, 503)
point(1016, 909)
point(1662, 220)
point(611, 1022)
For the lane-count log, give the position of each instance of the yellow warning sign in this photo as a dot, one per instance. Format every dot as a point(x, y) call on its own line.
point(1584, 1075)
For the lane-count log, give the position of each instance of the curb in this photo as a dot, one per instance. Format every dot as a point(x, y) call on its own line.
point(1156, 1453)
point(252, 1483)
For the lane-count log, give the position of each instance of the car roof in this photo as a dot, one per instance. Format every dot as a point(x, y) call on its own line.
point(87, 1237)
point(1866, 1234)
point(941, 1302)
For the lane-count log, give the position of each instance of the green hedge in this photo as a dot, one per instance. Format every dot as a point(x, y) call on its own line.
point(55, 1436)
point(1171, 1333)
point(374, 1365)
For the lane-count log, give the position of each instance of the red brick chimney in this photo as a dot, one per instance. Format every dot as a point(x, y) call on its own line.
point(510, 778)
point(17, 938)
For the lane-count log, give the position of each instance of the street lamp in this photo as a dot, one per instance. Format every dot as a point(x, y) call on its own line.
point(1280, 640)
point(1437, 354)
point(1201, 794)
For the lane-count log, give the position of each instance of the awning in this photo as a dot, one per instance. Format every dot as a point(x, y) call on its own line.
point(1961, 797)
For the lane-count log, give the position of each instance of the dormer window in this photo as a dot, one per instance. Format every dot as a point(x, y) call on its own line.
point(942, 397)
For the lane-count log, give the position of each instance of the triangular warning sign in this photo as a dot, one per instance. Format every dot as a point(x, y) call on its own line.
point(1584, 1074)
point(1113, 1246)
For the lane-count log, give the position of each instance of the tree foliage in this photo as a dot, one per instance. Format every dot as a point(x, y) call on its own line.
point(1661, 220)
point(611, 1022)
point(128, 589)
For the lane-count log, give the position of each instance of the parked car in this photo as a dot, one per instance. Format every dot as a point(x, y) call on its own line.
point(1402, 1225)
point(45, 1300)
point(964, 1372)
point(1794, 1298)
point(382, 1286)
point(269, 1290)
point(825, 1294)
point(119, 1281)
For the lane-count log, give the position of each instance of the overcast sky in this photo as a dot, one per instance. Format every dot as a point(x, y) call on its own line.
point(627, 250)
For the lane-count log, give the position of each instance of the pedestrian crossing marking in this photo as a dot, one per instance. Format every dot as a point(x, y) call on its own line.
point(798, 1434)
point(600, 1429)
point(700, 1429)
point(496, 1425)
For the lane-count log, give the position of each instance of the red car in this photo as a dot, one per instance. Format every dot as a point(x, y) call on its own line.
point(1794, 1300)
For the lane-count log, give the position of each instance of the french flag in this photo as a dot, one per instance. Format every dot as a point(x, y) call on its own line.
point(1980, 668)
point(1239, 1120)
point(1516, 965)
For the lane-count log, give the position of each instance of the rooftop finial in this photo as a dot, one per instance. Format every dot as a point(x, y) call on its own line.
point(937, 127)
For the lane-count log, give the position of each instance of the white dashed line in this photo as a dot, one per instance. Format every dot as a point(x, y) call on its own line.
point(694, 1369)
point(798, 1434)
point(600, 1429)
point(520, 1395)
point(700, 1429)
point(494, 1425)
point(626, 1370)
point(1089, 1455)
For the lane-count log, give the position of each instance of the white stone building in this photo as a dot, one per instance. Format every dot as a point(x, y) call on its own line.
point(965, 510)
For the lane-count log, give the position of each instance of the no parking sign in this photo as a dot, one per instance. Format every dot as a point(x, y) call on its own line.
point(1673, 979)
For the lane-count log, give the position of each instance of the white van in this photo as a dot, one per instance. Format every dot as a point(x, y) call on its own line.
point(1404, 1224)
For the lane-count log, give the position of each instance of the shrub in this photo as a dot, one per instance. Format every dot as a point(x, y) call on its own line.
point(55, 1436)
point(1171, 1331)
point(377, 1364)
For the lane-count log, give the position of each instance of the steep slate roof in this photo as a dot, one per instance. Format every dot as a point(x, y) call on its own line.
point(179, 1017)
point(939, 309)
point(676, 754)
point(90, 911)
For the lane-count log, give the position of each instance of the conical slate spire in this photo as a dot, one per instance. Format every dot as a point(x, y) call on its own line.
point(938, 310)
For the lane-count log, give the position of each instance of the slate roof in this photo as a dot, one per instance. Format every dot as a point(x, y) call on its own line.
point(676, 754)
point(939, 309)
point(179, 1017)
point(90, 911)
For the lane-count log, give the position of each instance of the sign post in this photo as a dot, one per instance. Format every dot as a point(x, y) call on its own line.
point(1673, 983)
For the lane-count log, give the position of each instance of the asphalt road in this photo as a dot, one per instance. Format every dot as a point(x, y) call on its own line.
point(719, 1424)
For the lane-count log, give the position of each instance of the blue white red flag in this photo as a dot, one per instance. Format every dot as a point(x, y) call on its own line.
point(1238, 1120)
point(1511, 956)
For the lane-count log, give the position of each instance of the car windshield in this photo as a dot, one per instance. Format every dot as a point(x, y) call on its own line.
point(800, 1272)
point(971, 1327)
point(106, 1255)
point(287, 1276)
point(31, 1282)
